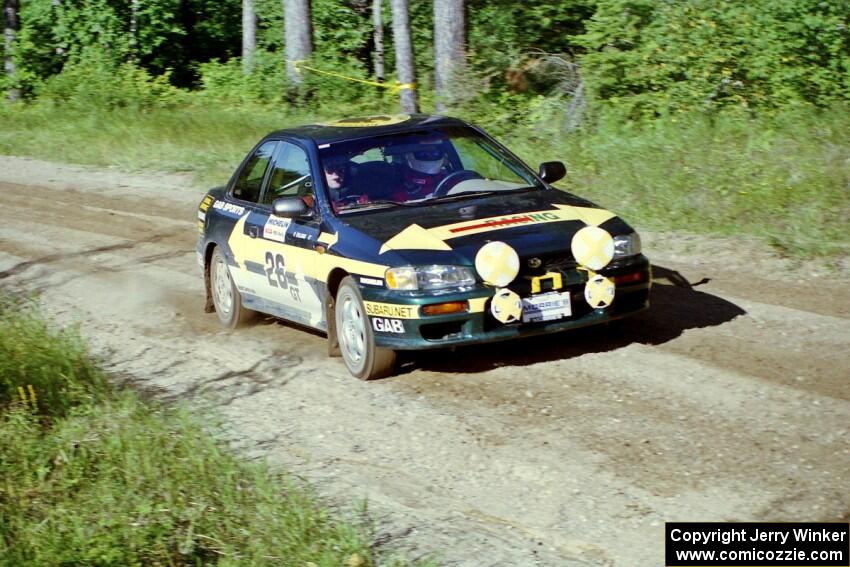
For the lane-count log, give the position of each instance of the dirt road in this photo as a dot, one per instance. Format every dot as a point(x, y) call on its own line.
point(728, 400)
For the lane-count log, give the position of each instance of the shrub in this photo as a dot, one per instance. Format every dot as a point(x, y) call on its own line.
point(95, 82)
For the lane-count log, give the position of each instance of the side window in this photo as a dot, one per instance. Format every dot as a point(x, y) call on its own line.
point(250, 181)
point(290, 175)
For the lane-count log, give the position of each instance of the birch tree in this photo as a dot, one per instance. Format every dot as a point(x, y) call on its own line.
point(378, 24)
point(249, 35)
point(298, 32)
point(11, 25)
point(134, 31)
point(404, 56)
point(449, 48)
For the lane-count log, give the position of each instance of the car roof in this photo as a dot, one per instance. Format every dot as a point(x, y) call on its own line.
point(365, 127)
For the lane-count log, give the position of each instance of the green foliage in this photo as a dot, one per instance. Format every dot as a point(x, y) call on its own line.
point(227, 82)
point(51, 364)
point(648, 58)
point(502, 33)
point(99, 83)
point(121, 484)
point(111, 480)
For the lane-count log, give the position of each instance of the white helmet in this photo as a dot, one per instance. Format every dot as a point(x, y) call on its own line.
point(428, 158)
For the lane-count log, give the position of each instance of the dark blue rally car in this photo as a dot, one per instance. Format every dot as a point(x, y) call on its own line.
point(411, 232)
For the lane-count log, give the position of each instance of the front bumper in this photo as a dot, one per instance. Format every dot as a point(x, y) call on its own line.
point(407, 328)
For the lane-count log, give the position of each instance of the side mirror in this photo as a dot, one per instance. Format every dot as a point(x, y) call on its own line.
point(551, 171)
point(290, 207)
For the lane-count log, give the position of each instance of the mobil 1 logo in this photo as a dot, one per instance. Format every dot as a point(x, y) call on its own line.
point(384, 325)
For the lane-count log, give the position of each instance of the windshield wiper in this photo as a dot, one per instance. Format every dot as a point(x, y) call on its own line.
point(379, 204)
point(466, 194)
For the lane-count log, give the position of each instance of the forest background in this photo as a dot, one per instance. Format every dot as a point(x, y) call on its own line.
point(697, 115)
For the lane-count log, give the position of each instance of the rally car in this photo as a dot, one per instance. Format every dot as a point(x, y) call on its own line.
point(410, 232)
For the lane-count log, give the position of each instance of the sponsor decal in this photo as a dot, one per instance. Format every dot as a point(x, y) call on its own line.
point(383, 325)
point(382, 120)
point(371, 281)
point(202, 216)
point(546, 307)
point(508, 221)
point(275, 229)
point(393, 310)
point(229, 208)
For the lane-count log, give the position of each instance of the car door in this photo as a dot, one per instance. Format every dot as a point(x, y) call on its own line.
point(280, 252)
point(244, 196)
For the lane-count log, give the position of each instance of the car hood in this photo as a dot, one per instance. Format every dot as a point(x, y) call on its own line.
point(533, 223)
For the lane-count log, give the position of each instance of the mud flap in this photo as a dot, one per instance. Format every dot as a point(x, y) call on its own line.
point(209, 307)
point(330, 317)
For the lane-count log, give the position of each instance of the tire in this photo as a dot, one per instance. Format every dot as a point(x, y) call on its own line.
point(356, 340)
point(226, 298)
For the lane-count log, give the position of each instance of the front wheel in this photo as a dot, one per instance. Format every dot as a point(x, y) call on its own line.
point(226, 298)
point(356, 340)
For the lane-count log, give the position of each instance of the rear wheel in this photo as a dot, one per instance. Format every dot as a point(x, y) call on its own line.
point(356, 340)
point(226, 298)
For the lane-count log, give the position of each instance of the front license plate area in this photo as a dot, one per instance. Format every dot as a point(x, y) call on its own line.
point(546, 307)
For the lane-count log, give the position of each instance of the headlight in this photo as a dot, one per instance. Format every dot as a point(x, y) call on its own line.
point(626, 245)
point(429, 277)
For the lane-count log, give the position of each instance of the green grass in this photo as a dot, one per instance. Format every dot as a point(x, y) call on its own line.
point(104, 478)
point(53, 364)
point(784, 179)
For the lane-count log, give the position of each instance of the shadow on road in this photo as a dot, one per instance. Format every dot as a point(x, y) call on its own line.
point(675, 306)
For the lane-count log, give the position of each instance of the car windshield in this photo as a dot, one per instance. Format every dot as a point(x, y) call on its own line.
point(419, 167)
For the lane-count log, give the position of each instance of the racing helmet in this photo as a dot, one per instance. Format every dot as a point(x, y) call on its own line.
point(428, 158)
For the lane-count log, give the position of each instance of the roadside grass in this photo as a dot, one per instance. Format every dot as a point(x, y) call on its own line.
point(784, 179)
point(93, 476)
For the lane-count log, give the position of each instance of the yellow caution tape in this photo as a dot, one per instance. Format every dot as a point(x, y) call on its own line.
point(299, 65)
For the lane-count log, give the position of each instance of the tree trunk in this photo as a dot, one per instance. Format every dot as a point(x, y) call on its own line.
point(449, 49)
point(134, 30)
point(404, 56)
point(11, 25)
point(379, 40)
point(249, 35)
point(298, 31)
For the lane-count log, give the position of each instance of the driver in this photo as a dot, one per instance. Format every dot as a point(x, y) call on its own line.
point(426, 167)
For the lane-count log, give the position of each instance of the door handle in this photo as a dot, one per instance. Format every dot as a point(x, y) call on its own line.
point(253, 231)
